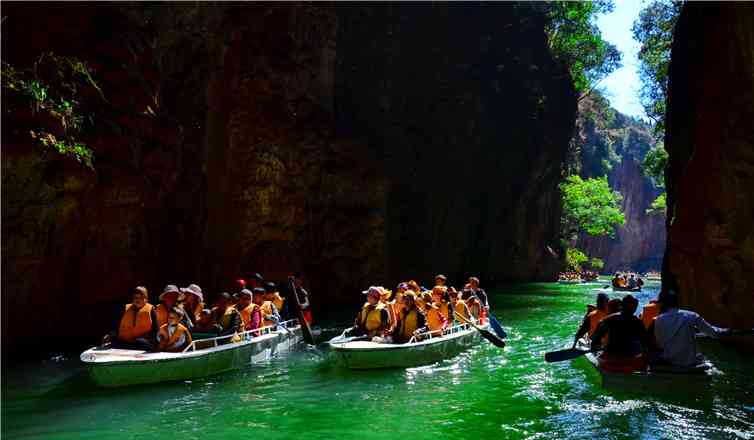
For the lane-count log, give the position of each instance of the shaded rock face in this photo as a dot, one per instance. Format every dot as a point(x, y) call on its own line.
point(360, 144)
point(710, 140)
point(614, 145)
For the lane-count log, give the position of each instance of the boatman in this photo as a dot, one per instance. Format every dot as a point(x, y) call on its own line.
point(675, 332)
point(373, 319)
point(627, 339)
point(138, 327)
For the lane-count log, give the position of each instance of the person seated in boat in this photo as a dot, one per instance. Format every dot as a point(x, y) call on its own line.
point(439, 299)
point(272, 295)
point(250, 314)
point(411, 320)
point(373, 318)
point(436, 321)
point(268, 311)
point(303, 296)
point(193, 303)
point(440, 280)
point(649, 312)
point(592, 319)
point(479, 293)
point(415, 287)
point(174, 336)
point(385, 295)
point(459, 306)
point(226, 319)
point(396, 304)
point(168, 300)
point(138, 326)
point(256, 280)
point(631, 284)
point(204, 323)
point(614, 306)
point(627, 339)
point(675, 332)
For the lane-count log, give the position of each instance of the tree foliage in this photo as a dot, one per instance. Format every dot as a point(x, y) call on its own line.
point(591, 206)
point(654, 30)
point(654, 163)
point(659, 205)
point(574, 259)
point(575, 39)
point(596, 263)
point(60, 94)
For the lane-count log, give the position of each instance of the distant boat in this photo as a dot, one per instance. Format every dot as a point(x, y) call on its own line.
point(626, 289)
point(113, 367)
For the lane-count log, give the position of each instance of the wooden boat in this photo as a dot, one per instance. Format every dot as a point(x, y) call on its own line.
point(203, 357)
point(425, 349)
point(656, 379)
point(626, 289)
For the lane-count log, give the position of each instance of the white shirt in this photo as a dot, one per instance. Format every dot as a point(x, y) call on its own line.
point(675, 331)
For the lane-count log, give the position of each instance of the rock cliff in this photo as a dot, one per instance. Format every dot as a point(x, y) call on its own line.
point(361, 144)
point(710, 141)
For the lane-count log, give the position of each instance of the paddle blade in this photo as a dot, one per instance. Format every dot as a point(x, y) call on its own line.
point(494, 340)
point(497, 328)
point(564, 355)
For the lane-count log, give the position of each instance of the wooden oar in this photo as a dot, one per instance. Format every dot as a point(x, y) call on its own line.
point(306, 331)
point(564, 355)
point(488, 335)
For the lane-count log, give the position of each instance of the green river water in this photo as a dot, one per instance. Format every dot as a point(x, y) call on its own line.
point(485, 393)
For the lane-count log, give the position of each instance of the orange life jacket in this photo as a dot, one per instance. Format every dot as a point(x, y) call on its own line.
point(135, 323)
point(408, 325)
point(162, 314)
point(266, 309)
point(594, 319)
point(180, 330)
point(278, 301)
point(462, 309)
point(649, 313)
point(246, 314)
point(435, 319)
point(445, 310)
point(371, 318)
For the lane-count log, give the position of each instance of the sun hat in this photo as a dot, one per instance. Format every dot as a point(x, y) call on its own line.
point(170, 288)
point(373, 291)
point(194, 290)
point(258, 291)
point(270, 286)
point(440, 276)
point(245, 292)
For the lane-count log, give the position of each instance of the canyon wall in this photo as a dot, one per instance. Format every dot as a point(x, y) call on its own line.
point(360, 144)
point(710, 180)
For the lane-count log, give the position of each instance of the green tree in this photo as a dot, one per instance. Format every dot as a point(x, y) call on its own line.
point(590, 206)
point(596, 263)
point(659, 205)
point(654, 163)
point(574, 259)
point(575, 39)
point(654, 30)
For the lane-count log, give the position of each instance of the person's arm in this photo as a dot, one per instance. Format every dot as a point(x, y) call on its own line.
point(304, 299)
point(483, 298)
point(155, 324)
point(707, 328)
point(274, 314)
point(583, 329)
point(598, 334)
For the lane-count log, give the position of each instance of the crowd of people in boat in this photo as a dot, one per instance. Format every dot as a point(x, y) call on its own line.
point(585, 275)
point(662, 334)
point(627, 281)
point(182, 315)
point(413, 312)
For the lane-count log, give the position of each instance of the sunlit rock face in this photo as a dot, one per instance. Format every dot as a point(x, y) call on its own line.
point(710, 139)
point(361, 145)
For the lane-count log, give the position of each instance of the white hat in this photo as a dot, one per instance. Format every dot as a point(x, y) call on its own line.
point(194, 290)
point(373, 290)
point(170, 288)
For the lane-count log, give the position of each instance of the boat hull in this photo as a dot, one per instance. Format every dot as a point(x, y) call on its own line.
point(365, 355)
point(116, 368)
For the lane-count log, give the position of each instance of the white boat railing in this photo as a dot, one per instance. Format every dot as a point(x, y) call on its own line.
point(457, 328)
point(242, 336)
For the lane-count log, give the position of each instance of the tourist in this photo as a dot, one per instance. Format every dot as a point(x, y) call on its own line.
point(439, 294)
point(631, 281)
point(302, 295)
point(226, 319)
point(204, 324)
point(614, 306)
point(481, 295)
point(272, 295)
point(675, 332)
point(385, 295)
point(414, 287)
point(616, 280)
point(174, 336)
point(193, 302)
point(591, 320)
point(168, 300)
point(436, 321)
point(410, 321)
point(459, 305)
point(373, 319)
point(627, 339)
point(138, 327)
point(247, 309)
point(269, 313)
point(440, 280)
point(255, 281)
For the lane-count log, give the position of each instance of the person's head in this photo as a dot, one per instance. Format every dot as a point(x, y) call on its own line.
point(602, 300)
point(224, 300)
point(193, 294)
point(139, 297)
point(452, 294)
point(373, 295)
point(633, 276)
point(402, 287)
point(438, 293)
point(270, 289)
point(440, 280)
point(613, 306)
point(255, 280)
point(413, 285)
point(169, 295)
point(205, 316)
point(258, 294)
point(668, 299)
point(240, 284)
point(385, 294)
point(244, 297)
point(175, 316)
point(629, 305)
point(407, 299)
point(474, 282)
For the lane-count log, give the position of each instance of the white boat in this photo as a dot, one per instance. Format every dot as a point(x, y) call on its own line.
point(203, 357)
point(657, 378)
point(425, 349)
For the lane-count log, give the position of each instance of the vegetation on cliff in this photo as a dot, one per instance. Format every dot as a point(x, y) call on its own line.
point(53, 101)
